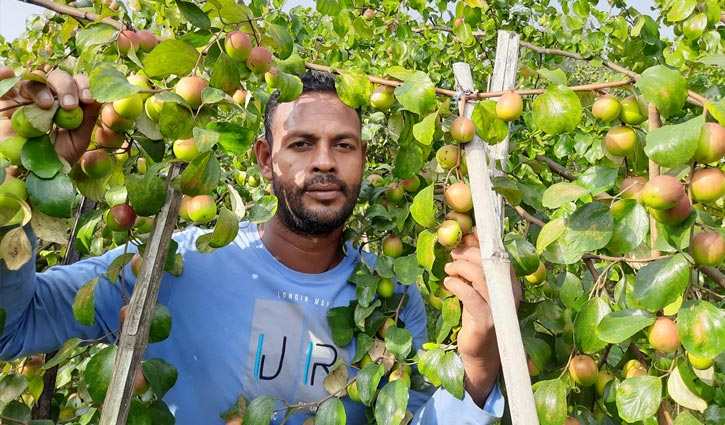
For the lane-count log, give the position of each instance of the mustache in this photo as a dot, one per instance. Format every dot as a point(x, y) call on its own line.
point(325, 179)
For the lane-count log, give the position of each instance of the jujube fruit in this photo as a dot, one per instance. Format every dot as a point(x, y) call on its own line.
point(620, 140)
point(190, 88)
point(662, 192)
point(710, 143)
point(707, 184)
point(583, 370)
point(509, 106)
point(238, 45)
point(449, 233)
point(606, 108)
point(458, 197)
point(259, 60)
point(708, 248)
point(663, 335)
point(462, 129)
point(96, 163)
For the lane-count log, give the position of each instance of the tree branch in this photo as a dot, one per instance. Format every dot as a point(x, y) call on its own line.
point(713, 274)
point(74, 12)
point(556, 167)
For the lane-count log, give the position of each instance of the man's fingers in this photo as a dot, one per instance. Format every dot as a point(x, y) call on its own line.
point(469, 253)
point(83, 87)
point(65, 88)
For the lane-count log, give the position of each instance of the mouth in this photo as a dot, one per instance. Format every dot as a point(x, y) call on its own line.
point(323, 192)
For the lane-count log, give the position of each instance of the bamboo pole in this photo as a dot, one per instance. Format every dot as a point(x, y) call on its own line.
point(496, 265)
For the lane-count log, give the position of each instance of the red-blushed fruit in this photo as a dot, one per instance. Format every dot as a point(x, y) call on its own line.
point(386, 325)
point(606, 108)
point(662, 192)
point(126, 41)
point(570, 420)
point(509, 106)
point(136, 261)
point(120, 218)
point(190, 88)
point(186, 149)
point(140, 383)
point(583, 370)
point(96, 163)
point(410, 185)
point(201, 208)
point(107, 138)
point(368, 14)
point(32, 365)
point(395, 193)
point(147, 40)
point(240, 96)
point(69, 120)
point(259, 60)
point(449, 233)
point(238, 45)
point(708, 248)
point(631, 187)
point(538, 276)
point(399, 374)
point(458, 197)
point(464, 220)
point(632, 112)
point(386, 287)
point(129, 107)
point(463, 129)
point(663, 335)
point(707, 184)
point(382, 98)
point(122, 314)
point(270, 77)
point(675, 215)
point(112, 120)
point(533, 370)
point(633, 368)
point(447, 156)
point(620, 140)
point(184, 207)
point(393, 246)
point(376, 180)
point(710, 143)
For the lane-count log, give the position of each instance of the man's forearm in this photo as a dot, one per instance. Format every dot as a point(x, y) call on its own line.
point(481, 376)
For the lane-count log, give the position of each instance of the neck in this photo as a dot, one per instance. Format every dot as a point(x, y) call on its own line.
point(303, 253)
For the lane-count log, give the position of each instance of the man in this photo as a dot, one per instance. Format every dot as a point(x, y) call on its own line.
point(250, 318)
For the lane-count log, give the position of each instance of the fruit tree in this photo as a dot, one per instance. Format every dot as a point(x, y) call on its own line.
point(613, 187)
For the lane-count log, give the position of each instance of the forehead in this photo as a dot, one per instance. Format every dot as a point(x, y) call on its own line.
point(315, 113)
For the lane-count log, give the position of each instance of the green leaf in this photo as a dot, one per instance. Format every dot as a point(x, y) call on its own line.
point(98, 373)
point(590, 314)
point(589, 228)
point(571, 288)
point(557, 111)
point(538, 350)
point(83, 304)
point(425, 129)
point(631, 225)
point(259, 411)
point(328, 7)
point(170, 57)
point(550, 233)
point(451, 373)
point(176, 121)
point(12, 386)
point(399, 341)
point(489, 126)
point(638, 398)
point(94, 34)
point(686, 418)
point(205, 139)
point(681, 10)
point(202, 175)
point(598, 179)
point(264, 209)
point(391, 402)
point(341, 325)
point(429, 364)
point(138, 413)
point(54, 197)
point(16, 411)
point(38, 155)
point(354, 88)
point(234, 138)
point(160, 324)
point(661, 282)
point(107, 84)
point(509, 189)
point(561, 193)
point(701, 326)
point(289, 86)
point(8, 83)
point(681, 394)
point(145, 194)
point(225, 76)
point(65, 352)
point(417, 94)
point(464, 34)
point(407, 269)
point(194, 14)
point(425, 249)
point(556, 76)
point(283, 42)
point(423, 209)
point(617, 326)
point(409, 160)
point(550, 401)
point(522, 254)
point(367, 382)
point(665, 88)
point(331, 412)
point(225, 230)
point(160, 374)
point(40, 119)
point(674, 145)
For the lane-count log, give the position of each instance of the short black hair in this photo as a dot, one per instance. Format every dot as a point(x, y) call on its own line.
point(312, 81)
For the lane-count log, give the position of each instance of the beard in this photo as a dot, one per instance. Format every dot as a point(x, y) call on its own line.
point(308, 221)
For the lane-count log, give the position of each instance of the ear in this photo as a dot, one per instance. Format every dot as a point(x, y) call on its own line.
point(264, 158)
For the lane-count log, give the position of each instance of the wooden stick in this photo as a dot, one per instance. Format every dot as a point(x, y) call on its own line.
point(134, 337)
point(496, 265)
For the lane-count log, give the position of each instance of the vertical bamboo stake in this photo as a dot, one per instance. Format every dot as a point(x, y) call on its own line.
point(489, 219)
point(134, 337)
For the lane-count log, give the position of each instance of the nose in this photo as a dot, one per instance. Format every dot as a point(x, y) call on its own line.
point(323, 159)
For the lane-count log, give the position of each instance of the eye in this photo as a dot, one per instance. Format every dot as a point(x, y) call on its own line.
point(299, 144)
point(345, 145)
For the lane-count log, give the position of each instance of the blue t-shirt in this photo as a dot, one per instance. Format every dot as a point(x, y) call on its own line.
point(243, 323)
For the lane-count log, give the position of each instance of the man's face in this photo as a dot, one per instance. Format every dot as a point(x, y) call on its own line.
point(317, 161)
